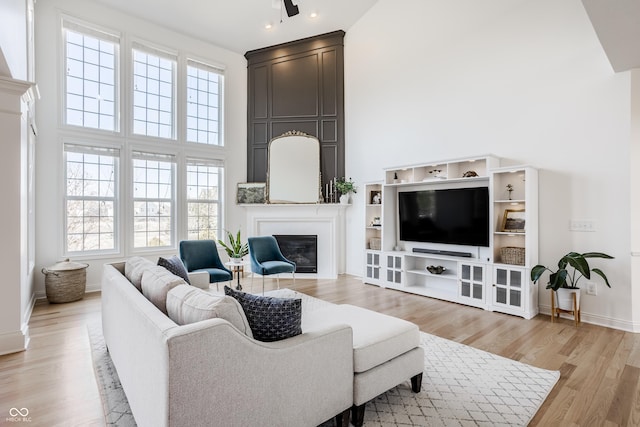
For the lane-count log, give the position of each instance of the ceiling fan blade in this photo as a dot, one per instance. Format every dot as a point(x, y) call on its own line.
point(292, 10)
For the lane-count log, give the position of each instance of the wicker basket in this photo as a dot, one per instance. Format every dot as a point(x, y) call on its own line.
point(512, 255)
point(375, 243)
point(65, 281)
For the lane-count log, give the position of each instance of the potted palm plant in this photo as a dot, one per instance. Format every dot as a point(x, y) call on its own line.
point(235, 249)
point(571, 268)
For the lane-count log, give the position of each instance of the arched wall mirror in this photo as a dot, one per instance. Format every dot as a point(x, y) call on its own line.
point(293, 170)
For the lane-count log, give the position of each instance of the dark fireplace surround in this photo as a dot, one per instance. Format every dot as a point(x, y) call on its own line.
point(301, 249)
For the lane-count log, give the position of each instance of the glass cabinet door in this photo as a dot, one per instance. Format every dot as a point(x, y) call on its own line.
point(508, 286)
point(471, 281)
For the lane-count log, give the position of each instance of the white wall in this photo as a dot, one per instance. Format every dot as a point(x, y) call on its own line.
point(13, 39)
point(49, 188)
point(523, 80)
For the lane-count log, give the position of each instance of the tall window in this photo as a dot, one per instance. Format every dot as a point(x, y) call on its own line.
point(153, 87)
point(91, 59)
point(204, 96)
point(153, 200)
point(204, 181)
point(91, 177)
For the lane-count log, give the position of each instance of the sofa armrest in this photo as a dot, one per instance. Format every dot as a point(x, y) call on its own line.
point(199, 279)
point(304, 380)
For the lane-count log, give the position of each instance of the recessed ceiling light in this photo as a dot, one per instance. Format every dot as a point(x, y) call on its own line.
point(313, 15)
point(268, 26)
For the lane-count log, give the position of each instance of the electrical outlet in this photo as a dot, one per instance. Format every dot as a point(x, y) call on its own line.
point(592, 288)
point(582, 225)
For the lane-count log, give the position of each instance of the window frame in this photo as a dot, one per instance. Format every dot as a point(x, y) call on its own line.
point(103, 34)
point(151, 49)
point(216, 163)
point(91, 147)
point(147, 154)
point(127, 142)
point(201, 65)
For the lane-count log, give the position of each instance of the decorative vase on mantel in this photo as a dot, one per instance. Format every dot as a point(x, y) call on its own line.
point(344, 199)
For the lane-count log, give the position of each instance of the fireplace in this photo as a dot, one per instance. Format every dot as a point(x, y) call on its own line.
point(301, 249)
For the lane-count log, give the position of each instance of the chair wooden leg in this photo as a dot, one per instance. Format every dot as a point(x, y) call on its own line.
point(278, 280)
point(263, 284)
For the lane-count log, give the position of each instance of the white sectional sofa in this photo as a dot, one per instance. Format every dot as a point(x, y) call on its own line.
point(209, 373)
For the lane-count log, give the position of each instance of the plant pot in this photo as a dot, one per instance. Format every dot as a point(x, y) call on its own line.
point(344, 199)
point(564, 298)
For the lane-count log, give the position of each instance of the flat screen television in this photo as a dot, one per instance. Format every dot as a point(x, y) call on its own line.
point(458, 216)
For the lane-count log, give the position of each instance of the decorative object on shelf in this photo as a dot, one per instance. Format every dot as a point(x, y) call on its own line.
point(376, 222)
point(436, 173)
point(395, 177)
point(513, 221)
point(375, 198)
point(375, 243)
point(469, 174)
point(251, 192)
point(345, 187)
point(510, 190)
point(236, 249)
point(435, 269)
point(512, 255)
point(564, 281)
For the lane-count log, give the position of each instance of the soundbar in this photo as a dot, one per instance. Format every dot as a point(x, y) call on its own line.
point(441, 252)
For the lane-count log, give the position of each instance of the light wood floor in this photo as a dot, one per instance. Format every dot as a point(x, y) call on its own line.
point(600, 367)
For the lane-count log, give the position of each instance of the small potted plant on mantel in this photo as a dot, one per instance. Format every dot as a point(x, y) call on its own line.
point(345, 188)
point(564, 281)
point(235, 249)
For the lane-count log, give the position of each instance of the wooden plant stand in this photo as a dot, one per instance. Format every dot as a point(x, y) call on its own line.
point(555, 311)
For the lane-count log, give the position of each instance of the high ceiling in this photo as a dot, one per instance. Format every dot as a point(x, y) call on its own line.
point(239, 25)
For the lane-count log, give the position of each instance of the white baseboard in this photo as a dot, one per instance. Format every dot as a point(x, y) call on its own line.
point(13, 342)
point(595, 319)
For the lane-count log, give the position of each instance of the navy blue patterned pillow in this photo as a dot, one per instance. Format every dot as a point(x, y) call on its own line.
point(175, 266)
point(270, 318)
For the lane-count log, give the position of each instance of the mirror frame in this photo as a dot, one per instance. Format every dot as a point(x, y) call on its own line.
point(301, 153)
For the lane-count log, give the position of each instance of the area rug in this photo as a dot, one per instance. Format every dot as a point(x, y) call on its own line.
point(461, 386)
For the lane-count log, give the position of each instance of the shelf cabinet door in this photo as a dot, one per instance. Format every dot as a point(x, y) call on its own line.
point(471, 283)
point(393, 270)
point(509, 289)
point(372, 267)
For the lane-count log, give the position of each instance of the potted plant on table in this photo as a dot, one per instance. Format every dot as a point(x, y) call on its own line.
point(235, 249)
point(571, 268)
point(345, 188)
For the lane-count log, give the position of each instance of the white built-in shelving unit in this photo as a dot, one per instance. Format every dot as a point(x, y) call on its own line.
point(485, 279)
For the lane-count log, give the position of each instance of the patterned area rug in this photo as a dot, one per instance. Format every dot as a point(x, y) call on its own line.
point(461, 386)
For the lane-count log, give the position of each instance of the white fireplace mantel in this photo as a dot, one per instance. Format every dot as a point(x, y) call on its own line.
point(326, 220)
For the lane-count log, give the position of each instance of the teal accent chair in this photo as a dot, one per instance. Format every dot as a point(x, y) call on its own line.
point(267, 259)
point(202, 255)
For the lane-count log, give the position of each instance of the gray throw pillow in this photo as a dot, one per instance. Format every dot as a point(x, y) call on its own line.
point(270, 318)
point(188, 304)
point(175, 266)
